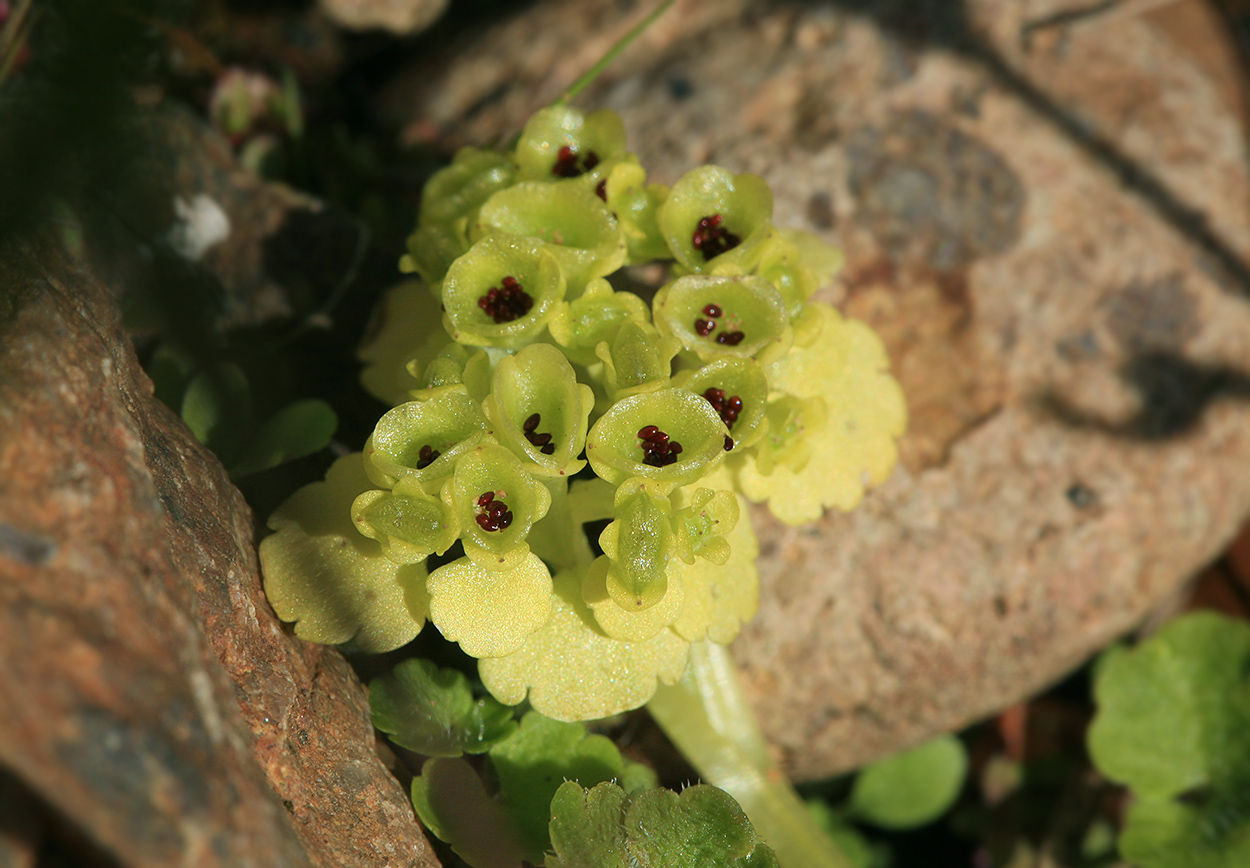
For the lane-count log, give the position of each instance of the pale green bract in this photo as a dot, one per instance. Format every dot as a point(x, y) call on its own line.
point(518, 367)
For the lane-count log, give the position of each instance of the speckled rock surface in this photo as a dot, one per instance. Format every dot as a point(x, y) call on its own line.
point(1047, 224)
point(398, 16)
point(152, 701)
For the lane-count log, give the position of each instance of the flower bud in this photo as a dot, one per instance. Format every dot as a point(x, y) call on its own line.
point(410, 524)
point(638, 359)
point(579, 325)
point(638, 545)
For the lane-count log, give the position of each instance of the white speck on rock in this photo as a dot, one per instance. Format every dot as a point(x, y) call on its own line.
point(201, 224)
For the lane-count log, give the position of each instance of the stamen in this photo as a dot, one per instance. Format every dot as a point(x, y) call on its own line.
point(728, 408)
point(730, 338)
point(506, 302)
point(426, 457)
point(569, 165)
point(536, 438)
point(492, 513)
point(712, 239)
point(657, 449)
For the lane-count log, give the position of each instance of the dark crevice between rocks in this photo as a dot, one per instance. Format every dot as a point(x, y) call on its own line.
point(946, 24)
point(32, 833)
point(1174, 394)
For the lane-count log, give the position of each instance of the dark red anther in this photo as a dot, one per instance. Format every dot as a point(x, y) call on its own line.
point(729, 443)
point(658, 437)
point(539, 439)
point(506, 303)
point(601, 189)
point(484, 522)
point(426, 457)
point(531, 423)
point(568, 165)
point(648, 432)
point(730, 338)
point(505, 520)
point(674, 448)
point(549, 449)
point(712, 310)
point(735, 403)
point(486, 497)
point(704, 327)
point(712, 239)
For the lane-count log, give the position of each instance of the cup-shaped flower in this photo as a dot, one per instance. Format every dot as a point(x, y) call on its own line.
point(699, 529)
point(421, 440)
point(561, 142)
point(671, 436)
point(781, 264)
point(725, 316)
point(496, 501)
point(570, 219)
point(793, 425)
point(737, 389)
point(432, 249)
point(410, 524)
point(455, 369)
point(636, 204)
point(638, 359)
point(579, 325)
point(638, 544)
point(460, 189)
point(538, 410)
point(713, 216)
point(502, 292)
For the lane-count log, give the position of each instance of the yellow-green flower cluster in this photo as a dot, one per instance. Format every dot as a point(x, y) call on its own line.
point(561, 404)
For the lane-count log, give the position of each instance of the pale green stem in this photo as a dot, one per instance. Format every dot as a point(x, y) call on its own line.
point(708, 718)
point(621, 44)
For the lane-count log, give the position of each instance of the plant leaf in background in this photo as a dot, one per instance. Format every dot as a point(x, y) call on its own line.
point(605, 828)
point(217, 406)
point(432, 711)
point(911, 788)
point(452, 802)
point(1173, 724)
point(536, 760)
point(298, 429)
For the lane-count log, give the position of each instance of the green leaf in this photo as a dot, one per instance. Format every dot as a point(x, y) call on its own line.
point(1173, 724)
point(701, 828)
point(335, 584)
point(452, 802)
point(217, 406)
point(433, 711)
point(490, 613)
point(911, 788)
point(298, 429)
point(536, 760)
